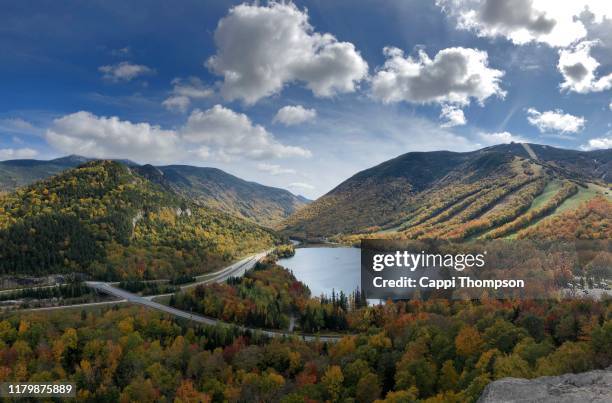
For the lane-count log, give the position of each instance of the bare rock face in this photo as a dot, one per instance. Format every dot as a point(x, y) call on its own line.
point(592, 386)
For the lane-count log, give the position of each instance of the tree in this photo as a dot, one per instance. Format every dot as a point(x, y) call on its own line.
point(511, 366)
point(368, 388)
point(420, 373)
point(534, 325)
point(531, 351)
point(186, 393)
point(401, 396)
point(448, 376)
point(139, 390)
point(332, 381)
point(503, 335)
point(570, 357)
point(475, 388)
point(468, 342)
point(601, 340)
point(354, 371)
point(567, 329)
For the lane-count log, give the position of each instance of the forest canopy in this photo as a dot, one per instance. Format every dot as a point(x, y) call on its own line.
point(107, 221)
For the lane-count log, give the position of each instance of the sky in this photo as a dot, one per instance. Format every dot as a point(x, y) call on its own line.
point(300, 95)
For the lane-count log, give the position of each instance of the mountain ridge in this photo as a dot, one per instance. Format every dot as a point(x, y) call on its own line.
point(104, 219)
point(446, 193)
point(259, 203)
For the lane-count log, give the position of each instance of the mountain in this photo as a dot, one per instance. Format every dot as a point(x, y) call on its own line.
point(213, 187)
point(104, 219)
point(493, 192)
point(209, 186)
point(18, 173)
point(596, 164)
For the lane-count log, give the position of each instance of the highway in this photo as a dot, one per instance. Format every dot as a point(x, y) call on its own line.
point(236, 269)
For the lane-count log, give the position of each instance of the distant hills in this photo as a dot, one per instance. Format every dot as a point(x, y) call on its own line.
point(497, 191)
point(209, 186)
point(105, 219)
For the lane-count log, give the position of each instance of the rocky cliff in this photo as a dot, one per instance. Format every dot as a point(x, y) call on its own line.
point(592, 386)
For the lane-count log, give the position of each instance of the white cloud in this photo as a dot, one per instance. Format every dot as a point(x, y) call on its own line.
point(217, 133)
point(235, 135)
point(12, 153)
point(300, 185)
point(183, 91)
point(499, 138)
point(556, 121)
point(454, 76)
point(452, 116)
point(262, 48)
point(274, 169)
point(294, 114)
point(573, 26)
point(555, 23)
point(178, 103)
point(124, 71)
point(18, 126)
point(578, 68)
point(598, 144)
point(86, 134)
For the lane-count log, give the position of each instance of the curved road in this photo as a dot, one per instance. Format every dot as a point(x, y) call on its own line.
point(236, 269)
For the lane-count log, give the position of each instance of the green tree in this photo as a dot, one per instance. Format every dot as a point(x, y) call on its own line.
point(368, 388)
point(448, 376)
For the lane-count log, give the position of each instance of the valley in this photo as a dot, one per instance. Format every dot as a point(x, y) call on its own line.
point(174, 278)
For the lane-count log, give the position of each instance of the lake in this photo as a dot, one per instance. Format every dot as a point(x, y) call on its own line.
point(323, 269)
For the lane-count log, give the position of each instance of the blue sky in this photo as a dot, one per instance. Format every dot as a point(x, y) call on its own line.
point(300, 95)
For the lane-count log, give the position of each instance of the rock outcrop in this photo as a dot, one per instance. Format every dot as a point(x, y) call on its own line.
point(592, 386)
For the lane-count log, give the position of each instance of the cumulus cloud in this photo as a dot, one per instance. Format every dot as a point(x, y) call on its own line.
point(555, 121)
point(452, 116)
point(573, 26)
point(579, 70)
point(294, 114)
point(183, 91)
point(86, 134)
point(124, 71)
point(453, 76)
point(217, 133)
point(598, 144)
point(300, 186)
point(12, 153)
point(274, 169)
point(499, 138)
point(262, 48)
point(235, 135)
point(555, 23)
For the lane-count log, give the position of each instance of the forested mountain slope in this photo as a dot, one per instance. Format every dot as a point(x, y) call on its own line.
point(492, 192)
point(210, 187)
point(215, 188)
point(105, 220)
